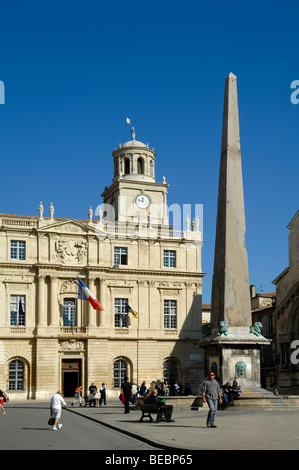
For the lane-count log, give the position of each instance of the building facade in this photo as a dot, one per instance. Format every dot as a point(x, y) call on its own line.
point(263, 311)
point(287, 314)
point(126, 253)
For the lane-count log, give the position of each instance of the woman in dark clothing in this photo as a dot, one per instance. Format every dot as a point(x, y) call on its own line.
point(143, 389)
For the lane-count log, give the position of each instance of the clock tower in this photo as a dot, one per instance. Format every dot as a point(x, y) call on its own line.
point(134, 195)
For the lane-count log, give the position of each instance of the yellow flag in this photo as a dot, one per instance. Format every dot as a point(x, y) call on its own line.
point(129, 309)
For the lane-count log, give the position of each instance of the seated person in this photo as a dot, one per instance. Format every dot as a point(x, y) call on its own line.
point(91, 399)
point(148, 398)
point(176, 388)
point(143, 389)
point(153, 399)
point(236, 392)
point(161, 389)
point(227, 392)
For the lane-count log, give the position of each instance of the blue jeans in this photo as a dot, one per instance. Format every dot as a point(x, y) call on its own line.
point(233, 397)
point(212, 410)
point(134, 399)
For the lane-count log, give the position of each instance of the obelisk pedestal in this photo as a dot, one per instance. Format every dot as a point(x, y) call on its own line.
point(232, 345)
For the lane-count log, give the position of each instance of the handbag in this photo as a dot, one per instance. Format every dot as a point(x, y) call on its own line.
point(51, 421)
point(122, 398)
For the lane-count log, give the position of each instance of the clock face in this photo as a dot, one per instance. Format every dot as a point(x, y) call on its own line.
point(142, 201)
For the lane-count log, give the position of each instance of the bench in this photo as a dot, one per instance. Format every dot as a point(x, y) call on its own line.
point(147, 411)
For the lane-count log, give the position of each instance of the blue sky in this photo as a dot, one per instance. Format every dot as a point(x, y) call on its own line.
point(73, 71)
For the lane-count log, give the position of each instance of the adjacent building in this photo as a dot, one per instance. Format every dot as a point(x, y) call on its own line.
point(263, 311)
point(287, 314)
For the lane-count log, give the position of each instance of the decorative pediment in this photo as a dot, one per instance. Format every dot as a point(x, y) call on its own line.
point(70, 226)
point(70, 287)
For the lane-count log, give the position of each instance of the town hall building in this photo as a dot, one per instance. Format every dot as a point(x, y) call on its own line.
point(127, 253)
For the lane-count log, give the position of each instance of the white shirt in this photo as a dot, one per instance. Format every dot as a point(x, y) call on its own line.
point(57, 401)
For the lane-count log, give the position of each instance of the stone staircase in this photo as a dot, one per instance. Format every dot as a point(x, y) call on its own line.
point(265, 399)
point(249, 399)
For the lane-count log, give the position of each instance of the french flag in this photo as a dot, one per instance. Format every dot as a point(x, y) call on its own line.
point(85, 294)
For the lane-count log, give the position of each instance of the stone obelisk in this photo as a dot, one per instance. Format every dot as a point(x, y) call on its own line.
point(232, 345)
point(230, 288)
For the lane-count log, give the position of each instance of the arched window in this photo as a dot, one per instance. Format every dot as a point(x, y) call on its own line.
point(140, 166)
point(120, 372)
point(16, 375)
point(170, 370)
point(127, 166)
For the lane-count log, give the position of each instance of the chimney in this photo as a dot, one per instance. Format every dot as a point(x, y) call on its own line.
point(252, 291)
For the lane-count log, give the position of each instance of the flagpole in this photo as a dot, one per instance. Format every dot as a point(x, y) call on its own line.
point(138, 347)
point(138, 334)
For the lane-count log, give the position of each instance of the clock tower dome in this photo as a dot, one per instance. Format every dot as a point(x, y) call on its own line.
point(134, 194)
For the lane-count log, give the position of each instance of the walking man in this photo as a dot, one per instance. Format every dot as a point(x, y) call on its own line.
point(78, 396)
point(126, 389)
point(211, 394)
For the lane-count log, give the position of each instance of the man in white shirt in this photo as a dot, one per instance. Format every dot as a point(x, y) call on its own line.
point(57, 402)
point(135, 392)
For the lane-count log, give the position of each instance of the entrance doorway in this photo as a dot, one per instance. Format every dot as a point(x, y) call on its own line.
point(71, 376)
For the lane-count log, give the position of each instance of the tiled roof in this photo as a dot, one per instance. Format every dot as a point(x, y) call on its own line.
point(267, 294)
point(267, 307)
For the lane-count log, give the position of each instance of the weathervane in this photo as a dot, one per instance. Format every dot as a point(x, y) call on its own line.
point(132, 129)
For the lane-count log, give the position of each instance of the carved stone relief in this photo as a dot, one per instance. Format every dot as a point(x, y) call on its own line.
point(70, 287)
point(72, 345)
point(70, 251)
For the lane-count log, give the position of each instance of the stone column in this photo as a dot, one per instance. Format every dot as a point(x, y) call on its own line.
point(53, 302)
point(152, 293)
point(164, 216)
point(41, 305)
point(102, 302)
